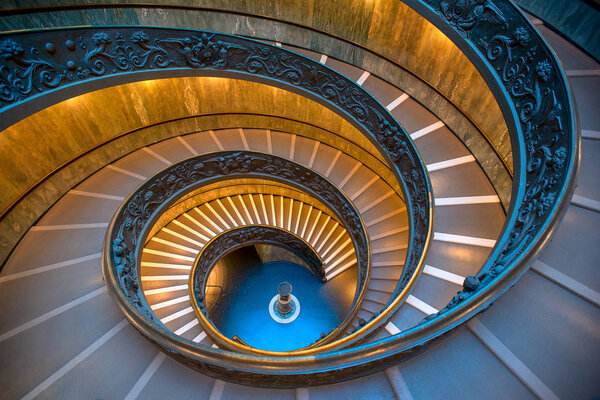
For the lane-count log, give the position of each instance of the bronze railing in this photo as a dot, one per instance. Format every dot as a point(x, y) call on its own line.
point(231, 240)
point(521, 71)
point(134, 219)
point(92, 54)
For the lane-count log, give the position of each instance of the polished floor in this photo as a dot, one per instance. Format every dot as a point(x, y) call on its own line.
point(246, 308)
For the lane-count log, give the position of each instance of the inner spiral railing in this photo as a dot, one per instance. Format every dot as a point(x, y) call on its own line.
point(234, 239)
point(132, 222)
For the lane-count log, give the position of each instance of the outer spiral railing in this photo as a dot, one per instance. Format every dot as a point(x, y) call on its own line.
point(520, 69)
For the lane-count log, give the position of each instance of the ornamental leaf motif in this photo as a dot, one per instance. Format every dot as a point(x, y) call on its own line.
point(527, 71)
point(29, 72)
point(95, 52)
point(136, 214)
point(465, 14)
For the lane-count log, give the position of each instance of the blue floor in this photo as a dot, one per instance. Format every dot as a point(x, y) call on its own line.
point(247, 314)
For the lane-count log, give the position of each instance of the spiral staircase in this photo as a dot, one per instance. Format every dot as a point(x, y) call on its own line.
point(414, 327)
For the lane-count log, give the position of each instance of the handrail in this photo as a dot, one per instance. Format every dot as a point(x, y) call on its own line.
point(231, 240)
point(135, 217)
point(527, 79)
point(531, 89)
point(36, 75)
point(94, 53)
point(247, 235)
point(100, 52)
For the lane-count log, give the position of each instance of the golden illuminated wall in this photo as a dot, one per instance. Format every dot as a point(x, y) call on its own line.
point(34, 147)
point(385, 37)
point(391, 30)
point(61, 145)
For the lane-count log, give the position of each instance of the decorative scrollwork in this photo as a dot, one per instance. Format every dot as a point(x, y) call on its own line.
point(529, 74)
point(137, 213)
point(103, 52)
point(465, 14)
point(139, 53)
point(108, 51)
point(518, 57)
point(202, 52)
point(298, 72)
point(247, 236)
point(28, 73)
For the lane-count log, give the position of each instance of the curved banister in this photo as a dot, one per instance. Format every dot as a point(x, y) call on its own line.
point(94, 53)
point(248, 235)
point(527, 79)
point(133, 220)
point(97, 53)
point(234, 239)
point(531, 89)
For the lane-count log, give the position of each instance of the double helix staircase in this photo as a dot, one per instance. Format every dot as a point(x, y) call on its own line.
point(61, 335)
point(380, 206)
point(464, 199)
point(169, 256)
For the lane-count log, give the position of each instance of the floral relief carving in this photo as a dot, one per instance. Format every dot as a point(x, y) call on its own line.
point(97, 52)
point(137, 212)
point(528, 72)
point(31, 64)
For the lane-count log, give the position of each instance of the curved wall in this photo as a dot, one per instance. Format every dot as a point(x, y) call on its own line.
point(62, 144)
point(374, 25)
point(84, 122)
point(369, 36)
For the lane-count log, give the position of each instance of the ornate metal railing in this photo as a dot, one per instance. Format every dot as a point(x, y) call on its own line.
point(34, 63)
point(521, 71)
point(234, 239)
point(242, 236)
point(134, 219)
point(531, 89)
